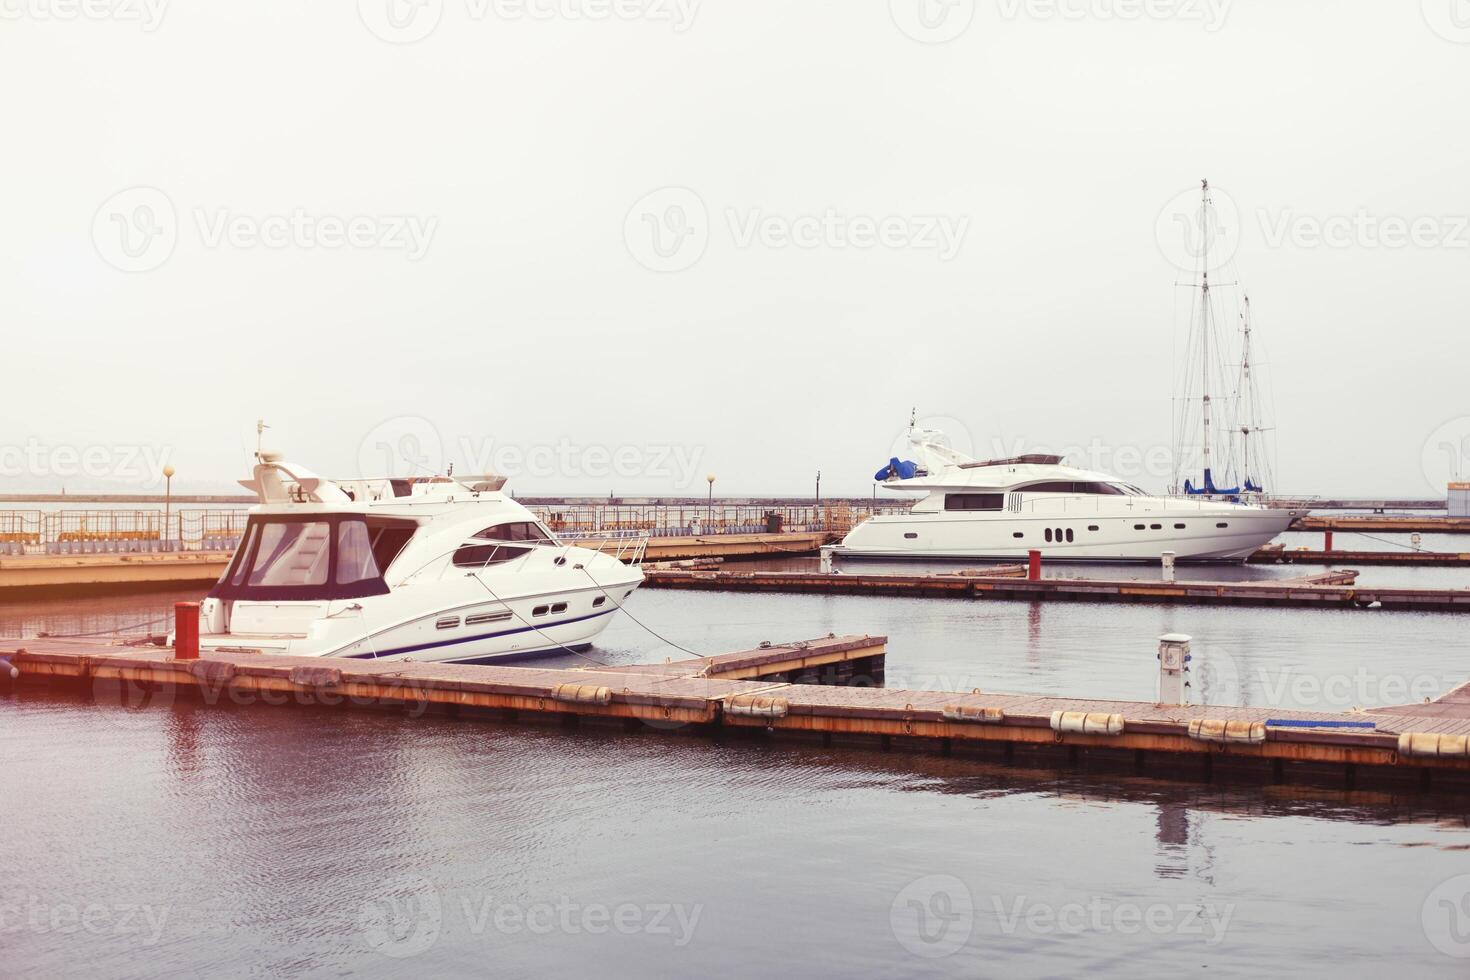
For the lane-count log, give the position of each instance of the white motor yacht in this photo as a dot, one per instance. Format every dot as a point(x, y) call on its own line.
point(1004, 508)
point(433, 569)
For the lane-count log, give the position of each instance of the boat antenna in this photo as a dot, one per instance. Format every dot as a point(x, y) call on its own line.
point(260, 428)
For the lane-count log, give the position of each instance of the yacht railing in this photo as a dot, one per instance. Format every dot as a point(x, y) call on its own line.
point(628, 547)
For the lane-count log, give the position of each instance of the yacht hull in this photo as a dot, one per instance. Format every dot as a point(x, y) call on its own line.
point(1143, 536)
point(480, 631)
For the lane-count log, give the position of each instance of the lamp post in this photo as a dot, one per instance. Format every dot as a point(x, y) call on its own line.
point(819, 488)
point(709, 505)
point(168, 496)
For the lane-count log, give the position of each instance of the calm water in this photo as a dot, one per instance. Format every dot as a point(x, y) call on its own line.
point(253, 840)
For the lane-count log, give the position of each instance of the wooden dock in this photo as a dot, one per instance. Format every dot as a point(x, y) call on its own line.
point(1311, 591)
point(826, 689)
point(1383, 523)
point(1306, 556)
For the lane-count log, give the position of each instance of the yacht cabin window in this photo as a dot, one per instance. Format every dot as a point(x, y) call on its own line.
point(515, 531)
point(974, 501)
point(325, 556)
point(1090, 487)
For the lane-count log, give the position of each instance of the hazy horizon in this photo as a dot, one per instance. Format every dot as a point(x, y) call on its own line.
point(624, 250)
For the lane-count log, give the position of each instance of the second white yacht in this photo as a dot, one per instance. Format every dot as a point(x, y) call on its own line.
point(1004, 508)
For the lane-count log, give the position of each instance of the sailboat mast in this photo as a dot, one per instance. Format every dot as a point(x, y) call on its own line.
point(1204, 209)
point(1246, 389)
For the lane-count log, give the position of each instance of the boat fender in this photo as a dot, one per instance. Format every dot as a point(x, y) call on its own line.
point(582, 694)
point(1087, 722)
point(1434, 744)
point(757, 706)
point(212, 672)
point(9, 669)
point(1221, 730)
point(316, 678)
point(973, 713)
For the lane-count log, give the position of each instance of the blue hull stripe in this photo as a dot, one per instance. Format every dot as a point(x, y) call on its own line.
point(474, 639)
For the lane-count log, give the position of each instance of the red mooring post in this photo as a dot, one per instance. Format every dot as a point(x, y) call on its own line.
point(1033, 567)
point(186, 631)
point(1326, 540)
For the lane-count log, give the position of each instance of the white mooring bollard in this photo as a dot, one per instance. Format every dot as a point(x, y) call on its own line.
point(1173, 668)
point(1168, 561)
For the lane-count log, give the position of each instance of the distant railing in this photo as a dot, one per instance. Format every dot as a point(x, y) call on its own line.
point(682, 520)
point(63, 532)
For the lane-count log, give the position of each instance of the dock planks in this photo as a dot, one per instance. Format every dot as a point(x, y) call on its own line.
point(1421, 746)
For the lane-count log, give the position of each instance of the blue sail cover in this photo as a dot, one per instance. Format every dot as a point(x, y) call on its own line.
point(1252, 487)
point(901, 469)
point(1209, 487)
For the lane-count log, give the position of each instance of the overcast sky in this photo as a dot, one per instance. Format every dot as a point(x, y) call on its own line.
point(617, 246)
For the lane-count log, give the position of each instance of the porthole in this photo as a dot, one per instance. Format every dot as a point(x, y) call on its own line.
point(911, 535)
point(1017, 534)
point(1138, 527)
point(540, 610)
point(1156, 527)
point(1093, 527)
point(1178, 527)
point(559, 607)
point(1069, 535)
point(1222, 524)
point(599, 601)
point(1048, 534)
